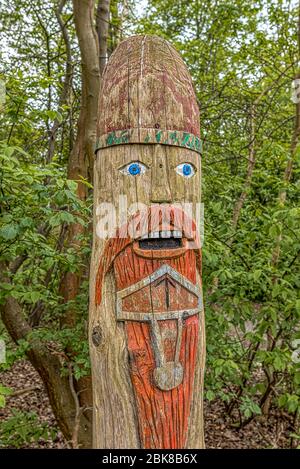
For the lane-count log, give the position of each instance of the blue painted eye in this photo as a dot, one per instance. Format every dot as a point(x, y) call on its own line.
point(185, 169)
point(134, 169)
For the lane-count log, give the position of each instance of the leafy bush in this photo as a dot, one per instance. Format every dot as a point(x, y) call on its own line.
point(22, 429)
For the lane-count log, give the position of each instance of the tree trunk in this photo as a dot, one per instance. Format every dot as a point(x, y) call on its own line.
point(49, 366)
point(69, 399)
point(81, 162)
point(82, 156)
point(67, 82)
point(102, 27)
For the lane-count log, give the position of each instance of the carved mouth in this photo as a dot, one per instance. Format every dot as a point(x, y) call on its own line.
point(158, 240)
point(160, 243)
point(162, 232)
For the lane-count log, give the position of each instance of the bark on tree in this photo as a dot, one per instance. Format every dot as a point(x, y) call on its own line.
point(48, 364)
point(67, 82)
point(81, 159)
point(102, 27)
point(68, 398)
point(81, 162)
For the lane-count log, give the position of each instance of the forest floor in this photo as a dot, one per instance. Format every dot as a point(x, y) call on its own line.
point(219, 433)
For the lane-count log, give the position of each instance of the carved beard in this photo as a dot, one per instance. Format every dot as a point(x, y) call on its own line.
point(153, 286)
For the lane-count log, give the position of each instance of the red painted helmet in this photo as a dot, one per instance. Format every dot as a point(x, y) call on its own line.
point(147, 96)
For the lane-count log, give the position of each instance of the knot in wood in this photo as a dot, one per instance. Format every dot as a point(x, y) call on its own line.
point(96, 336)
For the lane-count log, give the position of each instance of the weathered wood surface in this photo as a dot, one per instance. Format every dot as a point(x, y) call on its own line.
point(147, 339)
point(147, 97)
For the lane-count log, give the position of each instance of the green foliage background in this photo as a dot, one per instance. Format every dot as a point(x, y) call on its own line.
point(243, 58)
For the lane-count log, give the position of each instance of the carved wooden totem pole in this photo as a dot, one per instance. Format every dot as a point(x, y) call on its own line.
point(147, 339)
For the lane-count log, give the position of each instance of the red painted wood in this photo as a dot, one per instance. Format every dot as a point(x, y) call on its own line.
point(147, 63)
point(163, 415)
point(154, 298)
point(157, 218)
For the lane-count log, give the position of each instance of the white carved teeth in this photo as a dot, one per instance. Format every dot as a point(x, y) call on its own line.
point(154, 234)
point(163, 234)
point(177, 234)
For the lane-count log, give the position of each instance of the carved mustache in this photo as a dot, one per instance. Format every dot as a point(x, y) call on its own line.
point(155, 219)
point(159, 221)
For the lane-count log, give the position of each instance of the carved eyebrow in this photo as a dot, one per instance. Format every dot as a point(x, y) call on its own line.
point(123, 165)
point(133, 168)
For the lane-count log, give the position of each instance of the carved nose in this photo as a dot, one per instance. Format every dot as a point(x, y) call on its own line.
point(160, 187)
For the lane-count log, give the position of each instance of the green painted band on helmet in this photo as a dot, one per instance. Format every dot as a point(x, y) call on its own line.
point(150, 136)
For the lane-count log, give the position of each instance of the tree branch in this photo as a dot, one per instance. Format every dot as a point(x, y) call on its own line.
point(102, 26)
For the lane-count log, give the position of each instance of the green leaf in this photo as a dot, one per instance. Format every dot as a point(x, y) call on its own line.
point(282, 400)
point(210, 395)
point(274, 231)
point(273, 315)
point(8, 232)
point(292, 403)
point(35, 296)
point(72, 185)
point(257, 274)
point(5, 390)
point(278, 363)
point(296, 378)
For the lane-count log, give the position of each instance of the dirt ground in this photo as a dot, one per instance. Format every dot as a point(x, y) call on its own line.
point(219, 433)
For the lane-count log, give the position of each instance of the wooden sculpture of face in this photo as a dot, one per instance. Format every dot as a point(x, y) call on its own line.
point(154, 254)
point(146, 320)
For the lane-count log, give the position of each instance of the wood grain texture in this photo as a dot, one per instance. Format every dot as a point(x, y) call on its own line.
point(167, 113)
point(163, 415)
point(147, 338)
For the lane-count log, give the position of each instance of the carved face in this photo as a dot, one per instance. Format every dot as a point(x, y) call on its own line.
point(150, 174)
point(155, 269)
point(150, 196)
